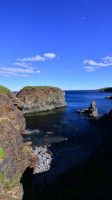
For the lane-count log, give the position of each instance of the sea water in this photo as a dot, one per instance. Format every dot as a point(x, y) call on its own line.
point(62, 123)
point(71, 137)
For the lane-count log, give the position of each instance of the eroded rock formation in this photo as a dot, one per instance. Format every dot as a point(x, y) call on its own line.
point(91, 111)
point(15, 156)
point(37, 99)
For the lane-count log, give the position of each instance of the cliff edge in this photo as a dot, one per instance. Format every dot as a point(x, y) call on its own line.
point(15, 156)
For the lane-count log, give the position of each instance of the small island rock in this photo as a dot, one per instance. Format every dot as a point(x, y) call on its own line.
point(90, 112)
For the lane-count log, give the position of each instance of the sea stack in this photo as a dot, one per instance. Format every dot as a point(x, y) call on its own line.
point(90, 112)
point(41, 98)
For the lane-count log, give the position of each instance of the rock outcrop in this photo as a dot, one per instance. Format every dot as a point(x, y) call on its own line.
point(108, 97)
point(15, 156)
point(16, 102)
point(37, 99)
point(90, 112)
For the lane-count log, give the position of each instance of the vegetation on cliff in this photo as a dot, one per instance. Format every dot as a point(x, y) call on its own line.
point(4, 90)
point(106, 89)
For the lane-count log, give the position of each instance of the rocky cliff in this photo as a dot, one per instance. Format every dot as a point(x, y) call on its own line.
point(15, 156)
point(16, 102)
point(37, 99)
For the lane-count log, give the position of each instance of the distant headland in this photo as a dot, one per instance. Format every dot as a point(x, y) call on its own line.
point(106, 89)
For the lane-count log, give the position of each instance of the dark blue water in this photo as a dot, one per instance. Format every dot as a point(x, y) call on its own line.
point(82, 136)
point(66, 122)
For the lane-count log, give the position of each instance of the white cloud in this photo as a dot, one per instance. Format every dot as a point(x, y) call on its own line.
point(90, 69)
point(38, 72)
point(49, 55)
point(24, 68)
point(93, 65)
point(20, 70)
point(38, 57)
point(92, 62)
point(107, 59)
point(8, 73)
point(22, 64)
point(35, 58)
point(23, 72)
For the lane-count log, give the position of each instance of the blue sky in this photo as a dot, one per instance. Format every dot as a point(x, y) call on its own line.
point(63, 43)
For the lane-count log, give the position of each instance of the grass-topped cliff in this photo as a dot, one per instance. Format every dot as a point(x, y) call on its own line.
point(4, 90)
point(41, 98)
point(106, 89)
point(41, 87)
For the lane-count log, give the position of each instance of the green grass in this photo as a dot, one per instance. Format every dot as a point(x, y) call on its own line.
point(2, 153)
point(4, 90)
point(43, 87)
point(3, 121)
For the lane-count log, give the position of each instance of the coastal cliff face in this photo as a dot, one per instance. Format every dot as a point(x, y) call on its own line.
point(15, 157)
point(37, 99)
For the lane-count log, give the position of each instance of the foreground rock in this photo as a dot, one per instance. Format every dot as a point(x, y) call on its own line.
point(108, 97)
point(90, 112)
point(37, 99)
point(15, 157)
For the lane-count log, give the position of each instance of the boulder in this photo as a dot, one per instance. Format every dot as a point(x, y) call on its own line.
point(90, 112)
point(41, 98)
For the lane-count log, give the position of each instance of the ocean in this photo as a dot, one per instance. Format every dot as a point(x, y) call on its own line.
point(72, 138)
point(53, 126)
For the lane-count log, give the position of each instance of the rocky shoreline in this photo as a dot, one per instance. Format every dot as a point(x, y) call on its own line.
point(47, 162)
point(16, 156)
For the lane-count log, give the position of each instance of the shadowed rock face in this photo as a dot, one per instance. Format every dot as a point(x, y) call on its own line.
point(15, 157)
point(37, 99)
point(90, 112)
point(108, 97)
